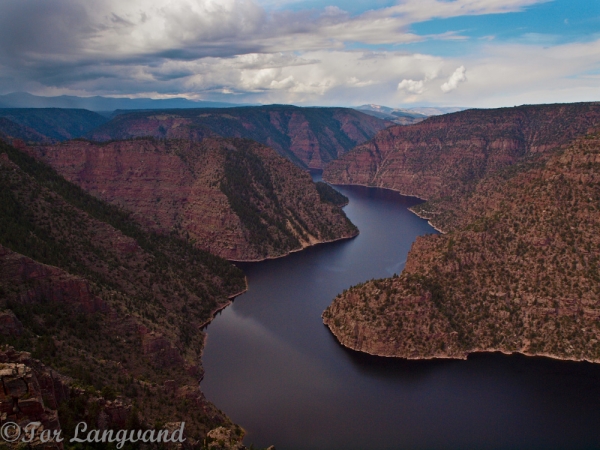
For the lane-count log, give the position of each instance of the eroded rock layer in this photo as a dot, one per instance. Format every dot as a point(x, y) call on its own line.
point(310, 137)
point(115, 310)
point(443, 155)
point(233, 197)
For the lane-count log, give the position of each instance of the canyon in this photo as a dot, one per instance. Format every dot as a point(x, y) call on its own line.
point(444, 155)
point(113, 254)
point(517, 269)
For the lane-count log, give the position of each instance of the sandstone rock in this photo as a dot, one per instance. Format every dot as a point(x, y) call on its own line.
point(161, 351)
point(224, 439)
point(21, 399)
point(310, 137)
point(442, 155)
point(40, 281)
point(233, 198)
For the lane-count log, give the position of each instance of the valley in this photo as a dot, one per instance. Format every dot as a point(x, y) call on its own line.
point(128, 226)
point(520, 248)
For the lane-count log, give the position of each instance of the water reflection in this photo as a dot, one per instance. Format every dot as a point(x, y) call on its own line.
point(274, 367)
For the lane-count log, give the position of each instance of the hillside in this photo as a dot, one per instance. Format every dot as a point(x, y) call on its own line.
point(10, 130)
point(443, 155)
point(518, 270)
point(233, 197)
point(116, 311)
point(309, 137)
point(52, 123)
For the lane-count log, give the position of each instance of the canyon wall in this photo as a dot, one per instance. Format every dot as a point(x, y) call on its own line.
point(309, 137)
point(443, 155)
point(517, 271)
point(233, 197)
point(115, 311)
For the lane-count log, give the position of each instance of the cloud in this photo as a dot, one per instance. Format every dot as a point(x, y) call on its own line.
point(240, 50)
point(459, 76)
point(412, 86)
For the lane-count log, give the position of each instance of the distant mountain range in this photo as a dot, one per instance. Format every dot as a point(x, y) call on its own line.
point(403, 116)
point(105, 104)
point(45, 125)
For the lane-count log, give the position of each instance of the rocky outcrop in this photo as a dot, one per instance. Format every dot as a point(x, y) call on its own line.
point(9, 324)
point(232, 197)
point(518, 270)
point(444, 155)
point(31, 393)
point(310, 137)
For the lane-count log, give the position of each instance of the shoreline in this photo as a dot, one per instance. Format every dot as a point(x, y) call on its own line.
point(232, 297)
point(466, 355)
point(268, 258)
point(428, 219)
point(220, 308)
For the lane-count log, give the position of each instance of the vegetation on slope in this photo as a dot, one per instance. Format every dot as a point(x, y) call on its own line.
point(518, 270)
point(445, 156)
point(246, 180)
point(10, 130)
point(278, 204)
point(233, 197)
point(117, 309)
point(309, 137)
point(330, 195)
point(54, 123)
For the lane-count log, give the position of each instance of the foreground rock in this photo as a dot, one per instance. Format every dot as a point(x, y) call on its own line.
point(518, 270)
point(233, 197)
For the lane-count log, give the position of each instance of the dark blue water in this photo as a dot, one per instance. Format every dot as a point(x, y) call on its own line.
point(276, 370)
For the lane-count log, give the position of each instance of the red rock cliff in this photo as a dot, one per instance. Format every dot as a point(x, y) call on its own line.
point(438, 157)
point(235, 198)
point(310, 137)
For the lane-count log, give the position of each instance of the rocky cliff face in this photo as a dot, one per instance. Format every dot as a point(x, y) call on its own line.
point(310, 137)
point(31, 393)
point(518, 270)
point(104, 303)
point(443, 155)
point(232, 197)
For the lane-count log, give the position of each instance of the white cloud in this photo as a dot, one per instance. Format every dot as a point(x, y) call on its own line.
point(459, 76)
point(238, 50)
point(412, 86)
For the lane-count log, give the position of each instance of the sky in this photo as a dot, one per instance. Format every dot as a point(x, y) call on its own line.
point(402, 53)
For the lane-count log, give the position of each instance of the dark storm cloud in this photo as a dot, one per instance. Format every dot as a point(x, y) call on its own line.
point(38, 28)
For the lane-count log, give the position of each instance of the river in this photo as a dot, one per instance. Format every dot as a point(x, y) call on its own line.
point(276, 370)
